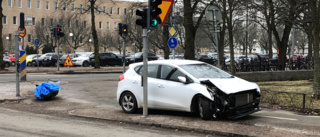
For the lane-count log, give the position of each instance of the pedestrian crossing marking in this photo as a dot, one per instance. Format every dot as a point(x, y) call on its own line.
point(68, 62)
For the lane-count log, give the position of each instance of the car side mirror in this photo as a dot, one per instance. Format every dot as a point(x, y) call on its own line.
point(184, 79)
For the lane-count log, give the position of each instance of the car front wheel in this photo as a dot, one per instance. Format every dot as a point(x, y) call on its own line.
point(204, 109)
point(128, 103)
point(85, 64)
point(6, 64)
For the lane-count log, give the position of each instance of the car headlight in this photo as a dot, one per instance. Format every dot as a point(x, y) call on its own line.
point(212, 91)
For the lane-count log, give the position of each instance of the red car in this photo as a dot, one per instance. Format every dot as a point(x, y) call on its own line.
point(12, 59)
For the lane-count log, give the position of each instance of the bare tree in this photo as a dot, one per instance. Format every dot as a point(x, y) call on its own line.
point(1, 41)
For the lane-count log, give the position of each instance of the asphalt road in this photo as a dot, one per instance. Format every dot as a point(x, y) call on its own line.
point(100, 90)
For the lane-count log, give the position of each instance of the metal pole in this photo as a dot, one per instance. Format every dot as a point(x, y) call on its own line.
point(216, 35)
point(247, 31)
point(173, 10)
point(292, 45)
point(57, 43)
point(16, 36)
point(124, 54)
point(37, 47)
point(22, 44)
point(145, 72)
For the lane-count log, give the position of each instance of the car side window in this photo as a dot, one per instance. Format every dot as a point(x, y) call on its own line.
point(113, 55)
point(170, 73)
point(152, 71)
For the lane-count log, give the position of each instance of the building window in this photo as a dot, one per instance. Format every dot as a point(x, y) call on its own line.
point(4, 19)
point(118, 11)
point(9, 3)
point(131, 12)
point(77, 23)
point(33, 21)
point(85, 24)
point(29, 4)
point(125, 11)
point(108, 25)
point(43, 22)
point(47, 5)
point(81, 8)
point(14, 20)
point(29, 37)
point(51, 22)
point(10, 37)
point(47, 38)
point(97, 9)
point(38, 4)
point(81, 39)
point(110, 10)
point(115, 25)
point(64, 6)
point(104, 9)
point(72, 7)
point(19, 4)
point(55, 5)
point(100, 25)
point(89, 9)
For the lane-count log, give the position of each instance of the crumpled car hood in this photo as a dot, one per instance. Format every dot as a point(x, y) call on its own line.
point(233, 85)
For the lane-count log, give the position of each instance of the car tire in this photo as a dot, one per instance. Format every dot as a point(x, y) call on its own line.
point(204, 109)
point(85, 64)
point(128, 103)
point(13, 63)
point(6, 64)
point(29, 64)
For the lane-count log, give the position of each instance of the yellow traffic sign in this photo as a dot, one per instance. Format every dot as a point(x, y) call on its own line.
point(165, 7)
point(172, 31)
point(68, 62)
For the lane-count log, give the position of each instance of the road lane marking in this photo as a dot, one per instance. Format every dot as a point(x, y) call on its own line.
point(282, 118)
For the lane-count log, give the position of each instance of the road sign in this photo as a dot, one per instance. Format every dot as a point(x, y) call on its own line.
point(172, 42)
point(209, 14)
point(24, 32)
point(172, 31)
point(27, 20)
point(165, 7)
point(68, 62)
point(36, 42)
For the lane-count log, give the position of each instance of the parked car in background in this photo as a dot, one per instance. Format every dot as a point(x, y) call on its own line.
point(238, 59)
point(51, 59)
point(38, 59)
point(82, 60)
point(138, 57)
point(29, 59)
point(6, 61)
point(207, 59)
point(106, 59)
point(190, 86)
point(12, 59)
point(64, 57)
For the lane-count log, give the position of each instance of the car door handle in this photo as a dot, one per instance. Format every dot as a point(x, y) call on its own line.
point(160, 86)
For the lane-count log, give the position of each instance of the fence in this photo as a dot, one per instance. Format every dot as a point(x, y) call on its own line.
point(298, 101)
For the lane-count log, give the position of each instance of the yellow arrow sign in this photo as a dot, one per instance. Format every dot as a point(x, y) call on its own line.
point(165, 7)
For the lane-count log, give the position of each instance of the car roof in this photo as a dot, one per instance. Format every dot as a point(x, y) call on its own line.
point(169, 62)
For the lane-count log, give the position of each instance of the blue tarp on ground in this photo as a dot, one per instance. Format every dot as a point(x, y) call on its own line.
point(44, 89)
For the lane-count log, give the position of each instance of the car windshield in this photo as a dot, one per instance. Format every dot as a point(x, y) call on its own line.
point(201, 71)
point(85, 55)
point(137, 54)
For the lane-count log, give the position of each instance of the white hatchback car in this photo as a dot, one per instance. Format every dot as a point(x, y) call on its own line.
point(188, 85)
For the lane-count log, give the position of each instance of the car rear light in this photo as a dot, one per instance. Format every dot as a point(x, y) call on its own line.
point(121, 77)
point(197, 58)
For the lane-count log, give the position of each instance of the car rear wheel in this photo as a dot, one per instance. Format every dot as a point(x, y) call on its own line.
point(13, 63)
point(128, 103)
point(204, 109)
point(85, 64)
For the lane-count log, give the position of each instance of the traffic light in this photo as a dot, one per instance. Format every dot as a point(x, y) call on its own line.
point(120, 29)
point(54, 32)
point(59, 31)
point(124, 29)
point(155, 11)
point(143, 20)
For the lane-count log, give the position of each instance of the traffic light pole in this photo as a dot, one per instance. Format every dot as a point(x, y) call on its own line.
point(145, 72)
point(16, 39)
point(124, 54)
point(57, 43)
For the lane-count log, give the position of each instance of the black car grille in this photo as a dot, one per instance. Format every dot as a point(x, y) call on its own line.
point(243, 98)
